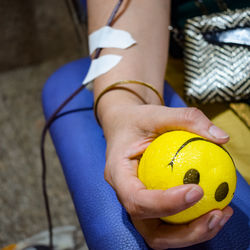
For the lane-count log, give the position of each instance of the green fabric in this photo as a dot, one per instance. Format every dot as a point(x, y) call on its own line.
point(184, 9)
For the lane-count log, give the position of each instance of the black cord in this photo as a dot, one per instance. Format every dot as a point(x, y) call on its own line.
point(52, 118)
point(109, 23)
point(49, 122)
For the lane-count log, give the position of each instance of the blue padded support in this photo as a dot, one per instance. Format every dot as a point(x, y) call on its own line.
point(80, 146)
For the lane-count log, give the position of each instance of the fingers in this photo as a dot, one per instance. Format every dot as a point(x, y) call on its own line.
point(190, 119)
point(160, 235)
point(142, 203)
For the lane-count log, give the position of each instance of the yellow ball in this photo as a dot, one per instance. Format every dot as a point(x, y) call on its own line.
point(180, 157)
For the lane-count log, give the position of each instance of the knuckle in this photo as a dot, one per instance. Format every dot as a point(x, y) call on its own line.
point(155, 243)
point(130, 208)
point(107, 175)
point(134, 208)
point(193, 114)
point(199, 233)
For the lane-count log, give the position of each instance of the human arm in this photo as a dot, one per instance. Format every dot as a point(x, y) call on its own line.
point(135, 62)
point(130, 125)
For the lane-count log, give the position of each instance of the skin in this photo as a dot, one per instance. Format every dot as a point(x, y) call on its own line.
point(130, 124)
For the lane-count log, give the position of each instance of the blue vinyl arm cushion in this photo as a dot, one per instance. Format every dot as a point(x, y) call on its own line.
point(80, 146)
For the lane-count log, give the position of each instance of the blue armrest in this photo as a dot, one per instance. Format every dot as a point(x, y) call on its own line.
point(80, 146)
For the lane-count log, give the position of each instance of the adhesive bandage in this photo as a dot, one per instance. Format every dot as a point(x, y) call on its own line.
point(107, 37)
point(100, 66)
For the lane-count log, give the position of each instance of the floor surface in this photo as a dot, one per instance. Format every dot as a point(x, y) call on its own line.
point(36, 38)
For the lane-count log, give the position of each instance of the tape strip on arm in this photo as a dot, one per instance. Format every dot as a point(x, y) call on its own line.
point(100, 66)
point(108, 37)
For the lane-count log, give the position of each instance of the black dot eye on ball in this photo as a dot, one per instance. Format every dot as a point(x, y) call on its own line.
point(192, 176)
point(221, 191)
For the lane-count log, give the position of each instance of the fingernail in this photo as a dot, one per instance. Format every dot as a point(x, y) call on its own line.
point(217, 132)
point(224, 220)
point(193, 195)
point(213, 222)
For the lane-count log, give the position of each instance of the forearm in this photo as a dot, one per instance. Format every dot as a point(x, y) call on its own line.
point(147, 21)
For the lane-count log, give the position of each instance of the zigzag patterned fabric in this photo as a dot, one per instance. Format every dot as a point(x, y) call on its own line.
point(216, 73)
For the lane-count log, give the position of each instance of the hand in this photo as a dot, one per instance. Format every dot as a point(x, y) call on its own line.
point(129, 129)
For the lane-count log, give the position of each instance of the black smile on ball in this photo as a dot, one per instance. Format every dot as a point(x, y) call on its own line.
point(189, 141)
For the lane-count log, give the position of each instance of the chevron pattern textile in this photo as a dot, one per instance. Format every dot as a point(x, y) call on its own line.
point(216, 72)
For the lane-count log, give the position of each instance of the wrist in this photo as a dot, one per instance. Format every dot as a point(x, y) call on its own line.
point(126, 93)
point(109, 109)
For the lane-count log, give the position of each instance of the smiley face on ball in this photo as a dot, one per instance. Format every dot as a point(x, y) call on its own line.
point(192, 176)
point(179, 157)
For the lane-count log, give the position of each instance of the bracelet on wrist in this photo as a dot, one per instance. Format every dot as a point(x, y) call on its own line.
point(116, 86)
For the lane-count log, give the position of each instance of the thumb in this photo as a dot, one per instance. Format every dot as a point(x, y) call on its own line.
point(189, 119)
point(161, 203)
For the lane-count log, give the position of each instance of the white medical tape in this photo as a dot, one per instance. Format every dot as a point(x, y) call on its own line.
point(107, 37)
point(100, 66)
